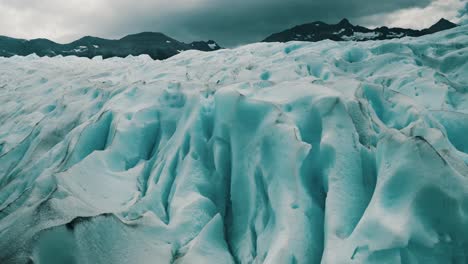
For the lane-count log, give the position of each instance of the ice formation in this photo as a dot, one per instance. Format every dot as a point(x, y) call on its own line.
point(327, 152)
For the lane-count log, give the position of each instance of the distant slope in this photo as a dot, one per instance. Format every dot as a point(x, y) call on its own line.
point(156, 45)
point(344, 31)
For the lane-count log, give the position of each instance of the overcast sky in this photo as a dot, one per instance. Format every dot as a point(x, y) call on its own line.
point(229, 22)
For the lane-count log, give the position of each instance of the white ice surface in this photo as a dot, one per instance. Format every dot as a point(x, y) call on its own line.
point(331, 152)
point(362, 36)
point(212, 45)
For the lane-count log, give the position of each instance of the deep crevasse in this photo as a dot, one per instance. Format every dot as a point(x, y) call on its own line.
point(331, 152)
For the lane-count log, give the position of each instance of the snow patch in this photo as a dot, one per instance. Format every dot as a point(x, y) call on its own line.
point(212, 45)
point(362, 36)
point(339, 32)
point(396, 35)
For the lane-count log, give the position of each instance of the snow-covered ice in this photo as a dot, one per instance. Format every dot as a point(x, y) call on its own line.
point(212, 45)
point(327, 152)
point(339, 32)
point(362, 36)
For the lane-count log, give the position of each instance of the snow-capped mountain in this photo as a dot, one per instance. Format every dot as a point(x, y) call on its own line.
point(156, 45)
point(205, 45)
point(160, 46)
point(326, 152)
point(344, 31)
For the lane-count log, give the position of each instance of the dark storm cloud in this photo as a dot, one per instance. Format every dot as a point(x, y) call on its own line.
point(243, 21)
point(228, 22)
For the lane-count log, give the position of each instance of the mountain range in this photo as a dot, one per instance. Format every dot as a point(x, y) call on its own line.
point(156, 45)
point(345, 31)
point(159, 46)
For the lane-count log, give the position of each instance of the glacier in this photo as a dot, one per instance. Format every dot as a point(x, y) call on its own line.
point(327, 152)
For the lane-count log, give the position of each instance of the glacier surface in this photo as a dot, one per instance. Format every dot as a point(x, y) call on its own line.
point(327, 152)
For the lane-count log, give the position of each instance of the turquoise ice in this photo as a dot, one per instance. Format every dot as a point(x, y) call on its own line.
point(328, 152)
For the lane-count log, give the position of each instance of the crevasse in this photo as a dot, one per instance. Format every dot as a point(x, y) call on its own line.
point(328, 152)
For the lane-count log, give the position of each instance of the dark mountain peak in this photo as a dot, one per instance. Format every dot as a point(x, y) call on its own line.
point(344, 23)
point(147, 36)
point(88, 38)
point(205, 45)
point(317, 23)
point(442, 24)
point(446, 22)
point(41, 40)
point(345, 31)
point(88, 41)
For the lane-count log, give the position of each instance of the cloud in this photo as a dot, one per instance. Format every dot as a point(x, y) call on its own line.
point(228, 22)
point(419, 17)
point(463, 14)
